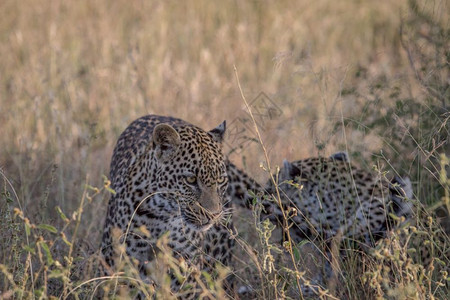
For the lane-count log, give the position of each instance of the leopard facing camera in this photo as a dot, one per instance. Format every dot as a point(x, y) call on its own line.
point(170, 180)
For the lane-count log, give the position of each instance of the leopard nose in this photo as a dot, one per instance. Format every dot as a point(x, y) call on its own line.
point(210, 201)
point(212, 207)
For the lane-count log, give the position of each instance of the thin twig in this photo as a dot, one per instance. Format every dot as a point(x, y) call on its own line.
point(278, 198)
point(26, 234)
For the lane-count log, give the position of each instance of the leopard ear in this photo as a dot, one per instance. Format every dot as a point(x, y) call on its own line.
point(289, 170)
point(341, 156)
point(218, 133)
point(165, 141)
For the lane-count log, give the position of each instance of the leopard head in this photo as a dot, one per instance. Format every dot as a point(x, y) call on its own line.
point(191, 171)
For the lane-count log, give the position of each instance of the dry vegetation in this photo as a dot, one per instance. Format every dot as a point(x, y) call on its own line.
point(368, 77)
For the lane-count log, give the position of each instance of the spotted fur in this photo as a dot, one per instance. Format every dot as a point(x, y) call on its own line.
point(324, 197)
point(169, 177)
point(328, 196)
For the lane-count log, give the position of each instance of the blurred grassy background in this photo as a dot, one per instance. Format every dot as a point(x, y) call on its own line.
point(74, 74)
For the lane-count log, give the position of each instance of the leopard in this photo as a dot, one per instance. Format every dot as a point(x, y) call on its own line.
point(330, 197)
point(323, 198)
point(169, 179)
point(326, 196)
point(333, 201)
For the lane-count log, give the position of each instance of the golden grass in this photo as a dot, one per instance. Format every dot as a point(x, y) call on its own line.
point(74, 74)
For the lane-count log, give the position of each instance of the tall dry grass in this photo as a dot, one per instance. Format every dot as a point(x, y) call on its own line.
point(367, 77)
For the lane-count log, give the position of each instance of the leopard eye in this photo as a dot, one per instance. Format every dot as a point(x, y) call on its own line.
point(191, 179)
point(222, 179)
